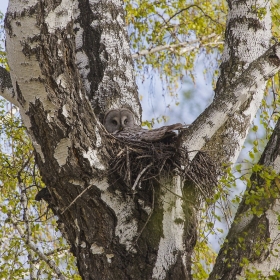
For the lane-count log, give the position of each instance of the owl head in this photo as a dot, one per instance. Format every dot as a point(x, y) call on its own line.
point(118, 119)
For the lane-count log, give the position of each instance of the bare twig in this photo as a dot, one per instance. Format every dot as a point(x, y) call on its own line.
point(128, 166)
point(24, 202)
point(76, 199)
point(140, 174)
point(121, 152)
point(174, 46)
point(170, 190)
point(35, 249)
point(192, 6)
point(55, 251)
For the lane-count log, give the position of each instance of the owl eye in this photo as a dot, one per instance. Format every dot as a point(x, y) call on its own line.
point(125, 122)
point(114, 122)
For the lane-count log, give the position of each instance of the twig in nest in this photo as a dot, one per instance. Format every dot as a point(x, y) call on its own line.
point(197, 185)
point(203, 173)
point(164, 161)
point(117, 165)
point(170, 190)
point(146, 156)
point(120, 153)
point(139, 176)
point(128, 167)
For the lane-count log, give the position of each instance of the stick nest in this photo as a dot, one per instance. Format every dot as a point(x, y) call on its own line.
point(138, 161)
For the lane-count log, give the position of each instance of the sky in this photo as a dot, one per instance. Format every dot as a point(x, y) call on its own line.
point(3, 6)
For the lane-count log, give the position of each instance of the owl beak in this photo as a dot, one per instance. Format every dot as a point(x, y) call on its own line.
point(121, 128)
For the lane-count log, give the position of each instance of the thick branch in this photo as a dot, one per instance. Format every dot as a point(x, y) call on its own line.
point(103, 56)
point(225, 105)
point(247, 37)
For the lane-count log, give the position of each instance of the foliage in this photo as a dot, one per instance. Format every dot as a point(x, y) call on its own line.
point(275, 10)
point(200, 24)
point(20, 182)
point(3, 59)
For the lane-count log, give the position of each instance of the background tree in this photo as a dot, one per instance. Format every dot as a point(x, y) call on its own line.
point(69, 63)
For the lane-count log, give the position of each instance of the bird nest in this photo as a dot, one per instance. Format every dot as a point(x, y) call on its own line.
point(137, 162)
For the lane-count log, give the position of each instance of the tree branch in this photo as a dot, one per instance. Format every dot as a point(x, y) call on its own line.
point(35, 248)
point(243, 45)
point(182, 44)
point(25, 218)
point(225, 105)
point(258, 232)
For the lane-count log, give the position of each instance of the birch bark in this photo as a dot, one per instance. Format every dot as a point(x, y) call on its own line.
point(70, 62)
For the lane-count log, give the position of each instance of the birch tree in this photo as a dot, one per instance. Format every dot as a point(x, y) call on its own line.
point(70, 62)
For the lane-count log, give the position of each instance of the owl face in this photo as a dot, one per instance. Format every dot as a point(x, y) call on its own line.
point(118, 119)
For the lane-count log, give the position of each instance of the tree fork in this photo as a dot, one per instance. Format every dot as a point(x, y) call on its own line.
point(70, 62)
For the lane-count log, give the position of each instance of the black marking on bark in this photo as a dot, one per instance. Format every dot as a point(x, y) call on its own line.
point(255, 24)
point(7, 24)
point(273, 58)
point(92, 47)
point(50, 5)
point(20, 97)
point(43, 194)
point(47, 138)
point(6, 81)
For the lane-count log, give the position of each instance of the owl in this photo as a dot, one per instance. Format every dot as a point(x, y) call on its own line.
point(120, 122)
